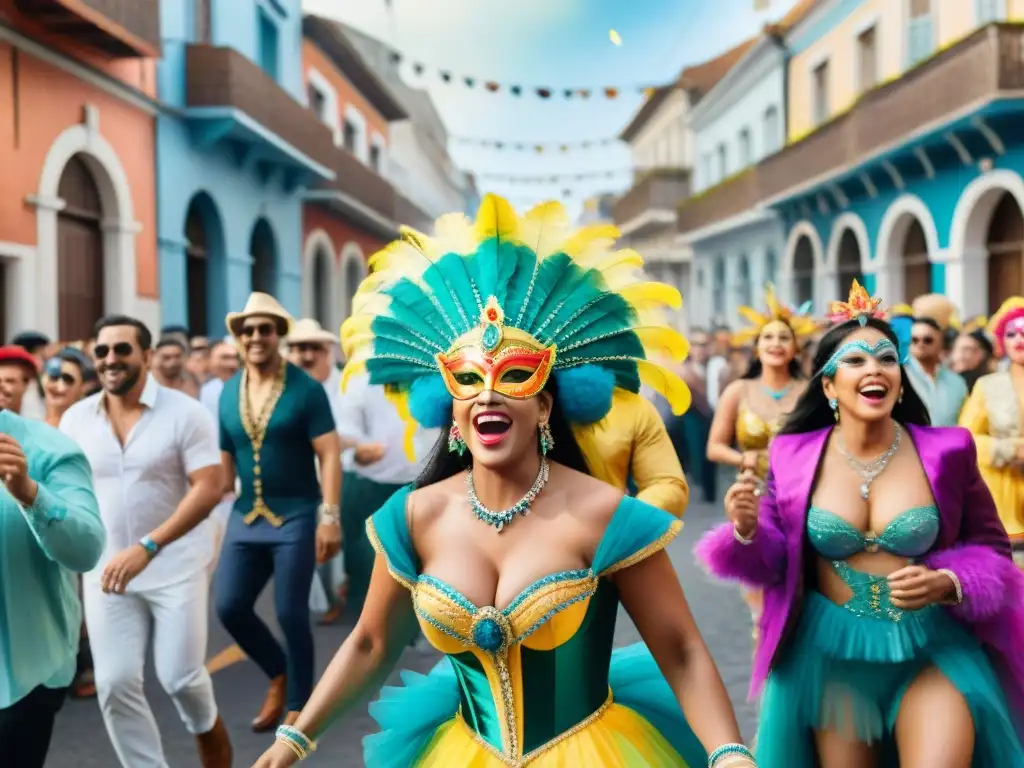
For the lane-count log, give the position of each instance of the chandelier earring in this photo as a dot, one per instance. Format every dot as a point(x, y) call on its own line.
point(455, 442)
point(901, 394)
point(547, 440)
point(833, 403)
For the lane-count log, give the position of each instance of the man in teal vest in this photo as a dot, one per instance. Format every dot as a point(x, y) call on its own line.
point(275, 424)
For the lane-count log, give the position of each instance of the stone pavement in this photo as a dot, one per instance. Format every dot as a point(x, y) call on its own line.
point(80, 740)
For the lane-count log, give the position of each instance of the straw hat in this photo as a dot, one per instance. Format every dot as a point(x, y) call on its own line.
point(309, 331)
point(935, 306)
point(259, 305)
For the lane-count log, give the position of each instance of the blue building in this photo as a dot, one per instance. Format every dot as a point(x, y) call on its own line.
point(902, 167)
point(236, 148)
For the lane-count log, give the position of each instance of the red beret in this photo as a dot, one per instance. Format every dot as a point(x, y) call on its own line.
point(13, 354)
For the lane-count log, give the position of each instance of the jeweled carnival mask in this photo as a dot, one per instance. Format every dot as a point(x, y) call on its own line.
point(494, 357)
point(855, 353)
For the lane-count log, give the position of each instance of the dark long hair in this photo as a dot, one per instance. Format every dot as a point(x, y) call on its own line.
point(812, 410)
point(443, 464)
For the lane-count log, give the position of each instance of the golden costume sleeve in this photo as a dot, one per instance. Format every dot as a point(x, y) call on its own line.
point(654, 465)
point(993, 452)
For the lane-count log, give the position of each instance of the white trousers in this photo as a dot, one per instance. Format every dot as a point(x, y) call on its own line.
point(120, 628)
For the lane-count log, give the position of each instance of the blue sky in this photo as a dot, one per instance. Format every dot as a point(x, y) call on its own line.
point(556, 43)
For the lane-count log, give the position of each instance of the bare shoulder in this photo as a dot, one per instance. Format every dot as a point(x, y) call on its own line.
point(733, 392)
point(590, 500)
point(426, 505)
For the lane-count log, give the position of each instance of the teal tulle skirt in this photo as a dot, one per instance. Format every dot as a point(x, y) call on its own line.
point(847, 673)
point(410, 714)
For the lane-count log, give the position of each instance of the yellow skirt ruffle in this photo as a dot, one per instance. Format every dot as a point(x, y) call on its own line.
point(617, 737)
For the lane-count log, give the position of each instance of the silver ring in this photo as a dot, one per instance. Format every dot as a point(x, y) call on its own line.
point(757, 491)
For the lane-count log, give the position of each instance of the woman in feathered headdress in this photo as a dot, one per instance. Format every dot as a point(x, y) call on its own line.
point(751, 410)
point(508, 332)
point(993, 413)
point(892, 604)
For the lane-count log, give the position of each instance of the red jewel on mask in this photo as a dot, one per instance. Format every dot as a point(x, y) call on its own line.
point(492, 314)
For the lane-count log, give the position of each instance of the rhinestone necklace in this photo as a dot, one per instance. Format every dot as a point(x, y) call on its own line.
point(522, 507)
point(869, 470)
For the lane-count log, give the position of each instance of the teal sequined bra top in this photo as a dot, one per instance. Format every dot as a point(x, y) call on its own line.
point(910, 534)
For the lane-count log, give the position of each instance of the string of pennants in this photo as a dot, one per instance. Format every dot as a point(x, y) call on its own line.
point(449, 77)
point(539, 148)
point(557, 178)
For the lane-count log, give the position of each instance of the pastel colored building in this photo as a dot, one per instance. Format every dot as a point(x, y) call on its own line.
point(740, 121)
point(347, 220)
point(236, 150)
point(661, 141)
point(77, 192)
point(903, 164)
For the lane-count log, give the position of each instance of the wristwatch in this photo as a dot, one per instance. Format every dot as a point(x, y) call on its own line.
point(329, 514)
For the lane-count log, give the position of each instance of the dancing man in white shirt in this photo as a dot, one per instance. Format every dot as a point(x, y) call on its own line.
point(156, 469)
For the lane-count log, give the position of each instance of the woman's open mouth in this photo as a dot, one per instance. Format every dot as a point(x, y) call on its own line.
point(491, 427)
point(874, 393)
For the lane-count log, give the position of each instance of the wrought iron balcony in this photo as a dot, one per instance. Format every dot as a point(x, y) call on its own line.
point(228, 97)
point(118, 28)
point(652, 199)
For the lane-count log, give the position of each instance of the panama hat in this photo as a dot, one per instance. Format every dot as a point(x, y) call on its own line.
point(259, 305)
point(309, 331)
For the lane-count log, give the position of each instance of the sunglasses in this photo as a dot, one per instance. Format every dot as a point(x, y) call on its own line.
point(308, 347)
point(121, 349)
point(67, 378)
point(263, 329)
point(924, 341)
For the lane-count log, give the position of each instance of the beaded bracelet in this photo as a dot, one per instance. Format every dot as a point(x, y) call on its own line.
point(956, 584)
point(296, 740)
point(729, 753)
point(745, 541)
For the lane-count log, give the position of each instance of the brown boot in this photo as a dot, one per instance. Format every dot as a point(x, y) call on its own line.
point(290, 718)
point(214, 747)
point(273, 707)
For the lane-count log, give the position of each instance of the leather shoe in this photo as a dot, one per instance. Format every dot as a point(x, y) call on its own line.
point(273, 707)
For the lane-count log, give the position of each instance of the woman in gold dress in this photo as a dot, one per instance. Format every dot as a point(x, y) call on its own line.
point(993, 413)
point(751, 410)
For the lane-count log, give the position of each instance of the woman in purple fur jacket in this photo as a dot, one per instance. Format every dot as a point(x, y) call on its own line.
point(893, 624)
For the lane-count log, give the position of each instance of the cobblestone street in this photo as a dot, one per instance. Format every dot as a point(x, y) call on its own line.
point(80, 740)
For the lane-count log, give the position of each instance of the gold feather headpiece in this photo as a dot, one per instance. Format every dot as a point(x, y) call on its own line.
point(798, 320)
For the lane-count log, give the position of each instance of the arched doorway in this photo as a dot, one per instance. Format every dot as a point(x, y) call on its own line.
point(322, 285)
point(1005, 246)
point(848, 265)
point(917, 267)
point(197, 270)
point(803, 271)
point(264, 258)
point(80, 272)
point(353, 270)
point(718, 289)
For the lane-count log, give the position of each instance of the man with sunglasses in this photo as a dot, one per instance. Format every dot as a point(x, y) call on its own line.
point(157, 471)
point(275, 425)
point(942, 390)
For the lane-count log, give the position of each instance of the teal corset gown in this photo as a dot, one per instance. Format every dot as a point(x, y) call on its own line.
point(537, 682)
point(846, 667)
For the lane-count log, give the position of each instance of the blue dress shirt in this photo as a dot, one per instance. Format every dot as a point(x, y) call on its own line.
point(943, 396)
point(41, 549)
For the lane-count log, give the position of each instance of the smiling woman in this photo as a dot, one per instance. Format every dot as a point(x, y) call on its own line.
point(906, 601)
point(507, 331)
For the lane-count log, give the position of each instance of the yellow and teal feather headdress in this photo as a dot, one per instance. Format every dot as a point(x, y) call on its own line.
point(536, 281)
